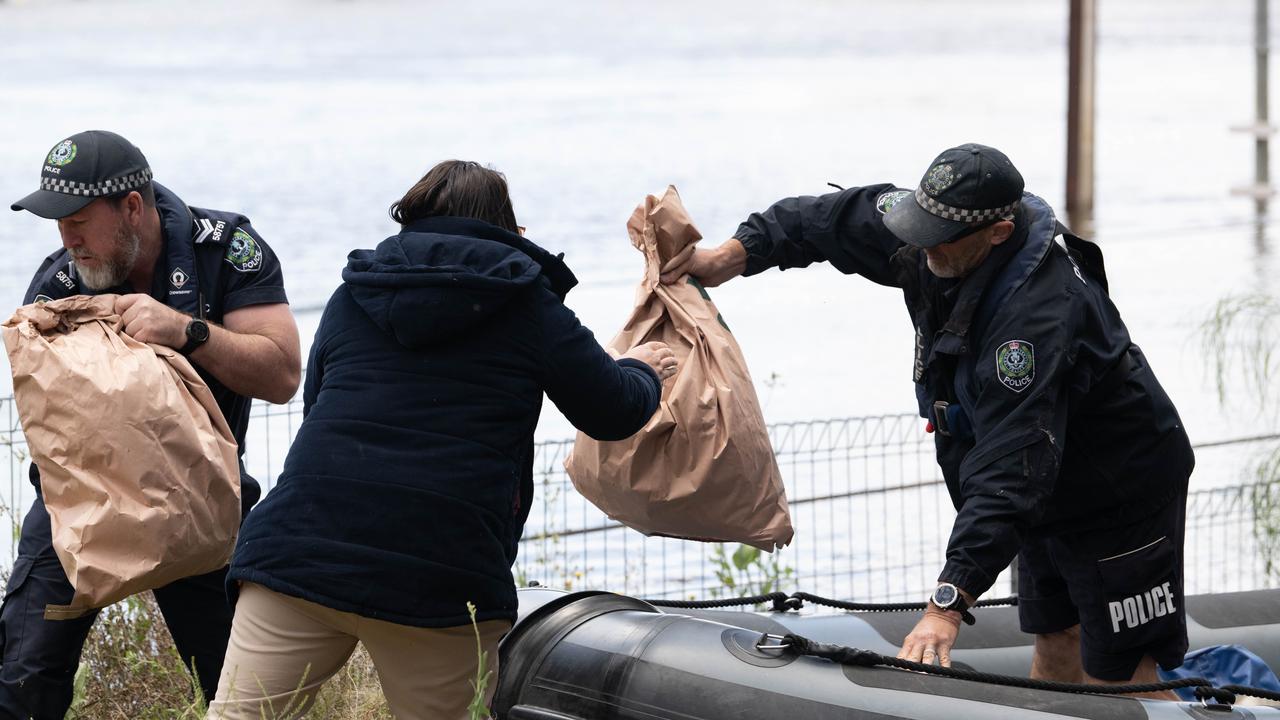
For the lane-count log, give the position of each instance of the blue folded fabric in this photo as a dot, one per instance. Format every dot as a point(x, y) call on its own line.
point(1223, 665)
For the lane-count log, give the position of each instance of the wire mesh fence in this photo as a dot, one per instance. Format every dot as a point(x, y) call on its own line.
point(871, 513)
point(872, 518)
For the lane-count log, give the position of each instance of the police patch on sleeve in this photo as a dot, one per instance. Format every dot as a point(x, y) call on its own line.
point(243, 252)
point(886, 200)
point(1016, 364)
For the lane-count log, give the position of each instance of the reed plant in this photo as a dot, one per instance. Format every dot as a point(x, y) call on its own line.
point(1242, 340)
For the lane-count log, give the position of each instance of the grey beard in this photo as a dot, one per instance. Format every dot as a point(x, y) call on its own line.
point(113, 270)
point(942, 271)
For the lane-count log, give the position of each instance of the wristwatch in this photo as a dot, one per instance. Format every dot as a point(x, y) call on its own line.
point(197, 335)
point(948, 597)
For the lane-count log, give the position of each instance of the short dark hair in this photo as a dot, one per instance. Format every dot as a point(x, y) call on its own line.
point(458, 188)
point(147, 192)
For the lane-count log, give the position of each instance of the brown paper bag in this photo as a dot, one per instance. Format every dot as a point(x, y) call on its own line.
point(702, 468)
point(138, 467)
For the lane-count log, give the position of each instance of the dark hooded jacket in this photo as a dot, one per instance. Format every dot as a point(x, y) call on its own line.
point(405, 493)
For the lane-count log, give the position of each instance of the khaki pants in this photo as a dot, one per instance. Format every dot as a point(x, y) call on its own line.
point(283, 649)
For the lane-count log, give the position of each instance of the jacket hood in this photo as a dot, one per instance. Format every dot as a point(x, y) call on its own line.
point(444, 276)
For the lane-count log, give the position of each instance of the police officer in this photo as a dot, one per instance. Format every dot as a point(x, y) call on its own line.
point(1056, 441)
point(199, 281)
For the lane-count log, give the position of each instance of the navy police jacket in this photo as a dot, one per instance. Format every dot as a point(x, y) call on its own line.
point(405, 494)
point(1048, 418)
point(213, 262)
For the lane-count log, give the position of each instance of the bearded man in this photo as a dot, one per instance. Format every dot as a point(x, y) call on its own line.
point(199, 281)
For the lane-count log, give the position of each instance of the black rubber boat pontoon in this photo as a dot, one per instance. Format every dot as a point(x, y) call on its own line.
point(598, 656)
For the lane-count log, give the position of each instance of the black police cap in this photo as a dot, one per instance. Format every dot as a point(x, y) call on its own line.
point(964, 188)
point(83, 168)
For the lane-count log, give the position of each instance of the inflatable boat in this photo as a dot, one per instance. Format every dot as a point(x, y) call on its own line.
point(598, 656)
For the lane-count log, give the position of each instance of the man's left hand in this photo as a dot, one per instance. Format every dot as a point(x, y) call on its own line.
point(148, 320)
point(932, 637)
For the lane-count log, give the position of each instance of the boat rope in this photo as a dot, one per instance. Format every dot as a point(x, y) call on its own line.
point(779, 600)
point(891, 607)
point(1204, 690)
point(1253, 692)
point(783, 602)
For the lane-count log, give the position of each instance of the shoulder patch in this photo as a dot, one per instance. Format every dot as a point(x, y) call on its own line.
point(42, 299)
point(886, 200)
point(1016, 364)
point(243, 252)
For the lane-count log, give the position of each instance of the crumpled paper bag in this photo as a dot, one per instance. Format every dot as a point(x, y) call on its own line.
point(138, 467)
point(703, 467)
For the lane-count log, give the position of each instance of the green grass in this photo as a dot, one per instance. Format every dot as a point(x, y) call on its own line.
point(130, 670)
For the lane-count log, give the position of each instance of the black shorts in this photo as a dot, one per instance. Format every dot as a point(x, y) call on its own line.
point(1123, 586)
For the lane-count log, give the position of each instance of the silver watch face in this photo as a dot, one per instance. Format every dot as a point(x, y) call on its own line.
point(944, 596)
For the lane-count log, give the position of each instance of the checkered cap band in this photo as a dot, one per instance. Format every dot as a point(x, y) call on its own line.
point(102, 189)
point(946, 212)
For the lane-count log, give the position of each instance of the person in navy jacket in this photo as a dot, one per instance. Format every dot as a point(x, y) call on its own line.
point(1057, 443)
point(404, 496)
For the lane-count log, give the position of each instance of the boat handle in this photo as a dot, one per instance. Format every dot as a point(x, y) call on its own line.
point(764, 644)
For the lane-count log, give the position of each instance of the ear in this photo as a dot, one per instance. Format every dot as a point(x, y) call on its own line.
point(1001, 231)
point(133, 207)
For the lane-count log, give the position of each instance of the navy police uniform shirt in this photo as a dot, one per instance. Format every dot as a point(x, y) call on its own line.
point(1049, 419)
point(213, 262)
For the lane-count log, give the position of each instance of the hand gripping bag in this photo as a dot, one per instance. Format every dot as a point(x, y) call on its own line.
point(138, 467)
point(703, 467)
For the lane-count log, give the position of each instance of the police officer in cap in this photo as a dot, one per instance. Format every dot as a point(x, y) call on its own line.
point(199, 281)
point(1056, 441)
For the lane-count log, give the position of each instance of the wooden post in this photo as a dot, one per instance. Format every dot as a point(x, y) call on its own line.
point(1261, 129)
point(1081, 42)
